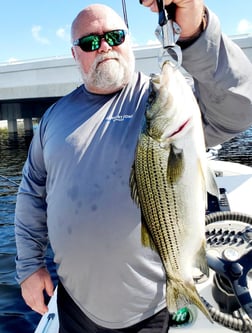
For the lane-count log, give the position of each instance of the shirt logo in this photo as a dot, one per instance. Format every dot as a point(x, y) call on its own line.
point(119, 118)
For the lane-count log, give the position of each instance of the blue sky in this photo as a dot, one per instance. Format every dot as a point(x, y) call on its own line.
point(32, 29)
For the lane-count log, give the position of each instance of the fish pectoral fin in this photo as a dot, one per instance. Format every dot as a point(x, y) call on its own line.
point(201, 260)
point(133, 186)
point(175, 166)
point(146, 238)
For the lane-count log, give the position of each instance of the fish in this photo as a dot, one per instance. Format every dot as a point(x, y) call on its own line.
point(169, 180)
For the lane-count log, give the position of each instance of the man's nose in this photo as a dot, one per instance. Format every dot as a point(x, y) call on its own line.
point(105, 47)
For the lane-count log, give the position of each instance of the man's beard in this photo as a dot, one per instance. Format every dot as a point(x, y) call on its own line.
point(110, 75)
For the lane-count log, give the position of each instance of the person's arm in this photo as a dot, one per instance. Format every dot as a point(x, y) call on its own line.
point(223, 82)
point(221, 71)
point(31, 229)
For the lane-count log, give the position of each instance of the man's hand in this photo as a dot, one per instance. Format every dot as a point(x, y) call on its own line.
point(33, 287)
point(188, 14)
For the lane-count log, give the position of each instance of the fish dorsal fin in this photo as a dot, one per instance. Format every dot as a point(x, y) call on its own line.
point(211, 184)
point(175, 165)
point(201, 260)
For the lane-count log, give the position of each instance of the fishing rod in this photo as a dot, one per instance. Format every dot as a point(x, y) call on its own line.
point(9, 180)
point(125, 13)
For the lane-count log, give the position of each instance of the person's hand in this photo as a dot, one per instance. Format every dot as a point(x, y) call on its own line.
point(32, 290)
point(189, 14)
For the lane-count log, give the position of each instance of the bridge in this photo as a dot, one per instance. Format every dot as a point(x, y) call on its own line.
point(28, 88)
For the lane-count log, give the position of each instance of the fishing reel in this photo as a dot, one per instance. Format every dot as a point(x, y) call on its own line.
point(229, 255)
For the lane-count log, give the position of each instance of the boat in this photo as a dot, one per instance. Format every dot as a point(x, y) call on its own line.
point(227, 292)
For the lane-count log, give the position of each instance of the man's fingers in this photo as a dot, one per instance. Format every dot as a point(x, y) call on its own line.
point(49, 287)
point(35, 301)
point(33, 290)
point(152, 4)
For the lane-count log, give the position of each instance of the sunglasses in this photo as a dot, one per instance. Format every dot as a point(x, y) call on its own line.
point(93, 42)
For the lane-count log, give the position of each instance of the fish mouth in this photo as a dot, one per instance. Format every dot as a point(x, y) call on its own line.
point(181, 127)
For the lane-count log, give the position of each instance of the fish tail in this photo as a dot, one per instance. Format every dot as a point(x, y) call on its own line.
point(179, 294)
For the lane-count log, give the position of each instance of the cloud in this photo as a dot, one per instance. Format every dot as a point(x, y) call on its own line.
point(36, 29)
point(150, 42)
point(12, 60)
point(64, 33)
point(244, 27)
point(153, 42)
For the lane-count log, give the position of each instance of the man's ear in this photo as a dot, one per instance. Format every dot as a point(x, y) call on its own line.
point(73, 52)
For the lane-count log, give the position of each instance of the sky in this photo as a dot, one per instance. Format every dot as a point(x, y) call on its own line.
point(33, 29)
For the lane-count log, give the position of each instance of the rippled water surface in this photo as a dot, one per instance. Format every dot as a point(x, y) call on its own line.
point(15, 316)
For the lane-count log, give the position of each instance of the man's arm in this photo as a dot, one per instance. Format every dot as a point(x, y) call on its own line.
point(31, 229)
point(223, 83)
point(221, 71)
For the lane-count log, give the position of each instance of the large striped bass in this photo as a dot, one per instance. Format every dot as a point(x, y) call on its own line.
point(168, 182)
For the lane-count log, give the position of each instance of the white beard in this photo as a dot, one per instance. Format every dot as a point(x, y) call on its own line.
point(112, 74)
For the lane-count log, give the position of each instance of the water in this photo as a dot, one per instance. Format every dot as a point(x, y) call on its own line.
point(15, 316)
point(238, 149)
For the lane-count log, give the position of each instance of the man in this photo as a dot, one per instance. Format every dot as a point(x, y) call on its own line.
point(75, 180)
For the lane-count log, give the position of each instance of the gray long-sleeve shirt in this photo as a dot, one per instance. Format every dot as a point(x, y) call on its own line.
point(75, 185)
